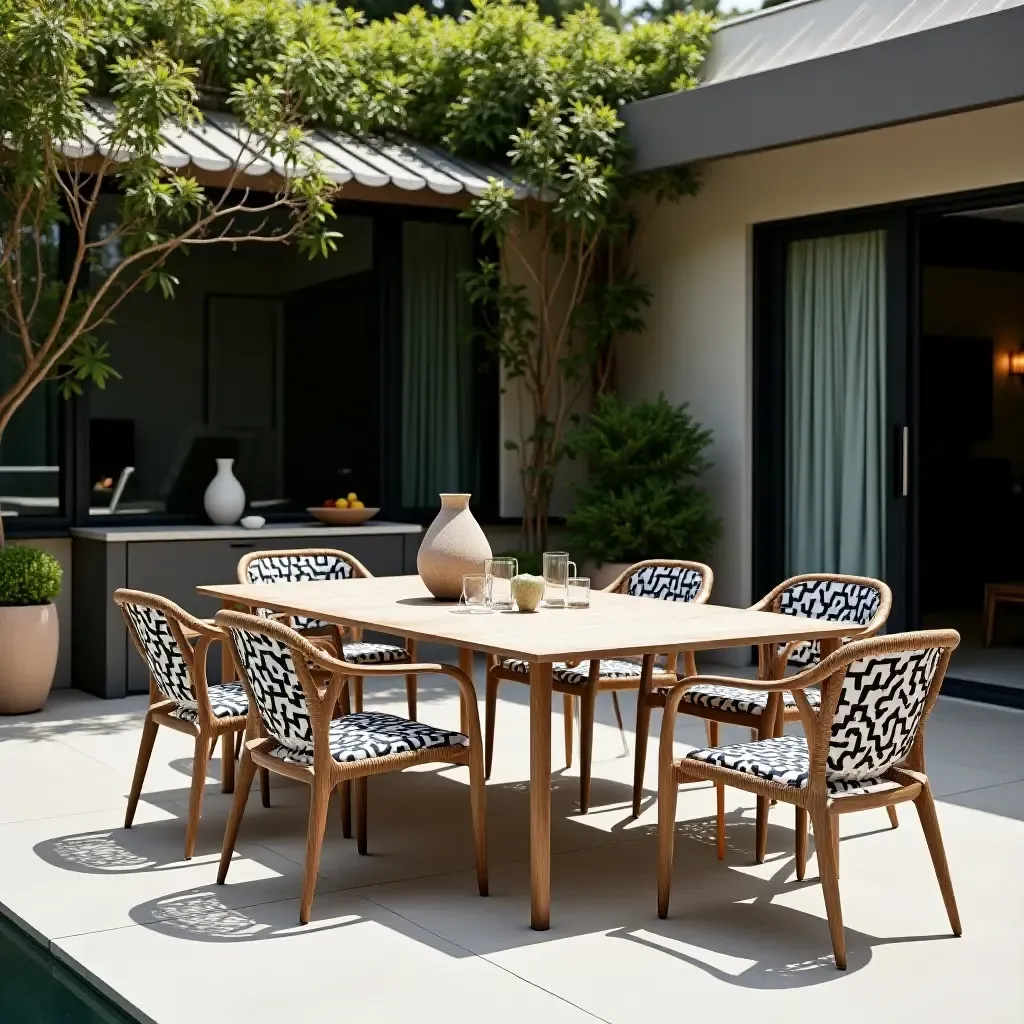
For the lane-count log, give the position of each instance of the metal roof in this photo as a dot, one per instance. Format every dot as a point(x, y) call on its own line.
point(808, 29)
point(220, 143)
point(813, 69)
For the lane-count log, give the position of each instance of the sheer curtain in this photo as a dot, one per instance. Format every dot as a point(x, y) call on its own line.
point(438, 442)
point(835, 405)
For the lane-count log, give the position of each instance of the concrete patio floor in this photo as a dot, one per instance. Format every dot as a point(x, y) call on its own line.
point(402, 933)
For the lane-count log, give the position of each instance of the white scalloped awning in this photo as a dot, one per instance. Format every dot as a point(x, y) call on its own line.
point(221, 143)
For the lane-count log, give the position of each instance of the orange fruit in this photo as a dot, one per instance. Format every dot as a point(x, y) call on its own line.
point(356, 504)
point(341, 503)
point(352, 496)
point(329, 503)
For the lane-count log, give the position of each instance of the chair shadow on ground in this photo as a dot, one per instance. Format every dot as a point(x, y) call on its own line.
point(724, 922)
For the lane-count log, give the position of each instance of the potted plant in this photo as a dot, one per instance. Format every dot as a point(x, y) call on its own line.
point(642, 497)
point(29, 581)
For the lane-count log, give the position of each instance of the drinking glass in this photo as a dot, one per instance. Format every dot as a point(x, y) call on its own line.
point(556, 572)
point(476, 594)
point(577, 592)
point(500, 572)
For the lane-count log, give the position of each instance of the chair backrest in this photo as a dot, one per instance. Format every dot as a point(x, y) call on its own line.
point(854, 599)
point(667, 580)
point(873, 712)
point(299, 566)
point(269, 663)
point(154, 624)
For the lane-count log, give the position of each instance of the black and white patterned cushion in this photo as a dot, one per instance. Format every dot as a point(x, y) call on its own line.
point(738, 700)
point(375, 654)
point(879, 710)
point(166, 663)
point(369, 734)
point(611, 668)
point(827, 599)
point(299, 569)
point(227, 700)
point(666, 582)
point(785, 760)
point(280, 699)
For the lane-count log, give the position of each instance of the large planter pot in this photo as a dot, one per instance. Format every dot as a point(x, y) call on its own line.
point(454, 546)
point(28, 656)
point(604, 575)
point(224, 499)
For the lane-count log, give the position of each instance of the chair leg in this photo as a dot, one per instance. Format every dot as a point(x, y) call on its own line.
point(567, 724)
point(761, 829)
point(149, 728)
point(835, 842)
point(825, 848)
point(410, 696)
point(801, 843)
point(227, 762)
point(246, 773)
point(711, 731)
point(618, 719)
point(478, 811)
point(668, 792)
point(265, 786)
point(319, 801)
point(195, 799)
point(345, 793)
point(925, 805)
point(893, 817)
point(359, 788)
point(239, 737)
point(588, 706)
point(357, 693)
point(643, 726)
point(490, 710)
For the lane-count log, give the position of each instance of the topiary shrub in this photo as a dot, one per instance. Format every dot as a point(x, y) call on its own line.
point(28, 576)
point(641, 498)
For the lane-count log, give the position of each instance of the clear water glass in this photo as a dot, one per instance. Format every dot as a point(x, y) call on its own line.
point(556, 573)
point(577, 592)
point(476, 594)
point(500, 572)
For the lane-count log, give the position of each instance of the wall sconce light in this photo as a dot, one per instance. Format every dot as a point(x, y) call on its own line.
point(1016, 365)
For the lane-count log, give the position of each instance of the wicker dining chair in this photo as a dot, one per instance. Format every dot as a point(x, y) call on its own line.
point(864, 748)
point(304, 564)
point(293, 730)
point(661, 578)
point(723, 700)
point(180, 697)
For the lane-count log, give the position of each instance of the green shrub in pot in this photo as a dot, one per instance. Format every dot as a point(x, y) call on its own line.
point(642, 497)
point(29, 633)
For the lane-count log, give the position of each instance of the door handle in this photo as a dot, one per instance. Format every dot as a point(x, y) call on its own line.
point(905, 463)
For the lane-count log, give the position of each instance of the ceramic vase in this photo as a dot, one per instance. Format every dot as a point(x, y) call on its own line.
point(454, 546)
point(29, 635)
point(224, 499)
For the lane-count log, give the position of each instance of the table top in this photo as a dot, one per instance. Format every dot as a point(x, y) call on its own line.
point(614, 624)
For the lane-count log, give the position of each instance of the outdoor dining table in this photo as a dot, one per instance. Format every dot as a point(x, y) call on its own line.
point(615, 625)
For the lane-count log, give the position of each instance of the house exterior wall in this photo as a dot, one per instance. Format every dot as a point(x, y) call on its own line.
point(696, 256)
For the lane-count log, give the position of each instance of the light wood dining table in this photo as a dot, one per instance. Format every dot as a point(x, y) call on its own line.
point(615, 625)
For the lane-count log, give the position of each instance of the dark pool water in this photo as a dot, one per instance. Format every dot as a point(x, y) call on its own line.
point(36, 988)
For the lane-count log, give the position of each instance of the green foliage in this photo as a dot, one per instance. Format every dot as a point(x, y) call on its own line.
point(641, 498)
point(28, 576)
point(530, 562)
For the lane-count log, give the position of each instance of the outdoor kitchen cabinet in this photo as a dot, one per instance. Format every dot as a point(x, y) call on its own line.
point(172, 562)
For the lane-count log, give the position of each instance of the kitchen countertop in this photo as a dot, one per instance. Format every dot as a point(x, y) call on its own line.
point(311, 529)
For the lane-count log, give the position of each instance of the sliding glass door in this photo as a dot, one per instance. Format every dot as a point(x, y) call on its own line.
point(831, 402)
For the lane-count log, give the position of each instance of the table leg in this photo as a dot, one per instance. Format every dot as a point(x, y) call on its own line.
point(227, 665)
point(540, 796)
point(990, 615)
point(466, 664)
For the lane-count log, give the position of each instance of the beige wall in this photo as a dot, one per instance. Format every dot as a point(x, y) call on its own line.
point(984, 304)
point(696, 256)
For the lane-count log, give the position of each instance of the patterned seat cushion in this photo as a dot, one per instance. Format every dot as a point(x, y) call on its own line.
point(226, 701)
point(376, 734)
point(737, 700)
point(785, 760)
point(611, 668)
point(375, 654)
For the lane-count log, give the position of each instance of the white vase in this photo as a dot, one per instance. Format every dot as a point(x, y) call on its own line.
point(454, 546)
point(224, 499)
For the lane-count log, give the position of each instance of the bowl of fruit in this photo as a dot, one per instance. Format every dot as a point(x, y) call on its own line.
point(347, 511)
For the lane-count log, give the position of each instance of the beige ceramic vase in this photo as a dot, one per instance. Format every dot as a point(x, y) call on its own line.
point(29, 637)
point(453, 547)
